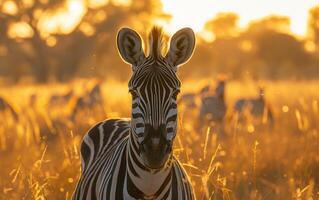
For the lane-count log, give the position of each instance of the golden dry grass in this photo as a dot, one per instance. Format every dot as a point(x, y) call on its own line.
point(39, 154)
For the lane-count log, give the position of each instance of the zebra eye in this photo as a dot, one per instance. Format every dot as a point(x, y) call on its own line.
point(133, 93)
point(175, 93)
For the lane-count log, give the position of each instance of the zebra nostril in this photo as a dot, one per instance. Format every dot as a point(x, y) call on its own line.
point(155, 141)
point(155, 147)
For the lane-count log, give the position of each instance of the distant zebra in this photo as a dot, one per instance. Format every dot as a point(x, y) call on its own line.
point(213, 107)
point(59, 99)
point(5, 106)
point(190, 100)
point(92, 99)
point(256, 107)
point(204, 90)
point(123, 159)
point(95, 94)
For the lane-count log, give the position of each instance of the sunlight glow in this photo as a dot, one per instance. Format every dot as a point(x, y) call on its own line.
point(64, 20)
point(194, 14)
point(97, 3)
point(9, 7)
point(20, 30)
point(124, 3)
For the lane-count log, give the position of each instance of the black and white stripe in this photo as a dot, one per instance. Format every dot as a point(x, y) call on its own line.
point(116, 163)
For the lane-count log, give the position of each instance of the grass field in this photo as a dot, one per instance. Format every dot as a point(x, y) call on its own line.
point(39, 152)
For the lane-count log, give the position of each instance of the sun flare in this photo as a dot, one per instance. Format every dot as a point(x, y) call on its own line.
point(194, 14)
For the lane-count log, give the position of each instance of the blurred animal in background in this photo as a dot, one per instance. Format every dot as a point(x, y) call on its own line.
point(254, 110)
point(213, 108)
point(204, 90)
point(7, 109)
point(95, 95)
point(191, 100)
point(58, 99)
point(86, 103)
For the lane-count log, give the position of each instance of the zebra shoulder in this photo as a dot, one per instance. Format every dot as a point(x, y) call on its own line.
point(181, 181)
point(101, 138)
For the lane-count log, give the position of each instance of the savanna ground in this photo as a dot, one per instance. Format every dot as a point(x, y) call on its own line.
point(39, 151)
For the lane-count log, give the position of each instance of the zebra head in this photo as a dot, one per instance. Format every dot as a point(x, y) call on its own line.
point(261, 92)
point(154, 87)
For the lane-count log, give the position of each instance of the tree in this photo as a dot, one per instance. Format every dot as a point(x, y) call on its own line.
point(275, 51)
point(271, 23)
point(63, 50)
point(313, 24)
point(30, 49)
point(223, 25)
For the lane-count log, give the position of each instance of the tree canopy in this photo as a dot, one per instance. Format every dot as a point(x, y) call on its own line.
point(63, 39)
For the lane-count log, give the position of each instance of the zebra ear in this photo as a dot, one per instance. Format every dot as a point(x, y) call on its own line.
point(181, 47)
point(129, 44)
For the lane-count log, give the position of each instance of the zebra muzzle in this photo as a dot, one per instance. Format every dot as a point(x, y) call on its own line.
point(155, 148)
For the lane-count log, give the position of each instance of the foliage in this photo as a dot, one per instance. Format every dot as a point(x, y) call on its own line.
point(45, 52)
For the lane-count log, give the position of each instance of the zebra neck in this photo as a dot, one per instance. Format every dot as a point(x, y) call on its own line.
point(144, 179)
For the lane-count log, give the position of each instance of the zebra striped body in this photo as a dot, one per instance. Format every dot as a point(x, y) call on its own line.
point(133, 159)
point(108, 151)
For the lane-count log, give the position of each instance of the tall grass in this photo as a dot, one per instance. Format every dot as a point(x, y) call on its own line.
point(39, 152)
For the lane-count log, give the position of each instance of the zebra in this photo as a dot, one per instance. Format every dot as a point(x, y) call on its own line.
point(213, 107)
point(58, 99)
point(92, 99)
point(133, 159)
point(95, 94)
point(190, 99)
point(256, 107)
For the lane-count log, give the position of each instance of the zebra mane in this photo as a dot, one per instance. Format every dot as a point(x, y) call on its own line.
point(156, 42)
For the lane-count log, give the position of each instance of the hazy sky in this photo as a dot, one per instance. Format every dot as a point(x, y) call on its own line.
point(194, 13)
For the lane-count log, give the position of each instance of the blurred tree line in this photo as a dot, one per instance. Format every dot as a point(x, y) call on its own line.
point(31, 45)
point(266, 49)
